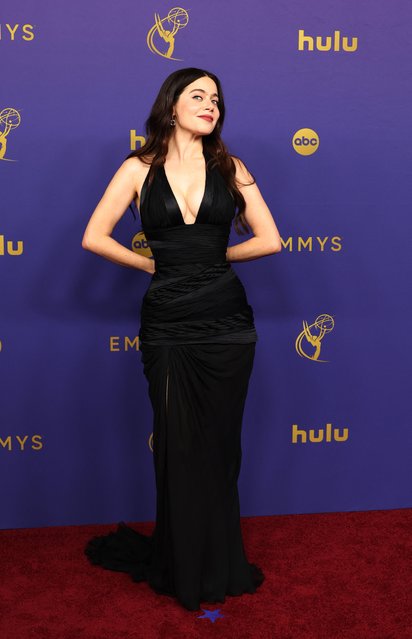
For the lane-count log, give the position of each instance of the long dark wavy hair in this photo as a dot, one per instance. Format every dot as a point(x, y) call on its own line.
point(159, 131)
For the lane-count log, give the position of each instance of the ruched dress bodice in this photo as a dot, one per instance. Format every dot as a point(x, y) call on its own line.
point(194, 295)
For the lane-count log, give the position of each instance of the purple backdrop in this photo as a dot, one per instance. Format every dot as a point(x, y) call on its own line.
point(77, 84)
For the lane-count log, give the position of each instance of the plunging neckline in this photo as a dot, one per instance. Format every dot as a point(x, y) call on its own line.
point(175, 199)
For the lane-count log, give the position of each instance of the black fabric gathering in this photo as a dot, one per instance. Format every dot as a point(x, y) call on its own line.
point(197, 340)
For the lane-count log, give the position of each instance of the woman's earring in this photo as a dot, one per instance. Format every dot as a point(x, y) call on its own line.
point(172, 121)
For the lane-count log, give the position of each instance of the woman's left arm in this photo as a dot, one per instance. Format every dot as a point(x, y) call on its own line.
point(266, 238)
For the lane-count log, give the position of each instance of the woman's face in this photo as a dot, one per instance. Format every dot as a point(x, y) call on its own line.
point(198, 99)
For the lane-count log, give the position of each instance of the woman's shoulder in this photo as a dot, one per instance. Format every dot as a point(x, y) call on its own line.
point(139, 166)
point(242, 172)
point(139, 162)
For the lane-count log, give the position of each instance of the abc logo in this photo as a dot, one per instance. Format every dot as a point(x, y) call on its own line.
point(140, 245)
point(306, 141)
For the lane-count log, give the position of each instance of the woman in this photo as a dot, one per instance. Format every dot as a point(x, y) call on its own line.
point(197, 338)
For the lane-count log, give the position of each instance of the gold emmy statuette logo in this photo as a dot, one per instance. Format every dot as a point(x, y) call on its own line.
point(324, 324)
point(140, 245)
point(303, 435)
point(177, 18)
point(1, 345)
point(327, 46)
point(305, 141)
point(9, 119)
point(150, 442)
point(7, 247)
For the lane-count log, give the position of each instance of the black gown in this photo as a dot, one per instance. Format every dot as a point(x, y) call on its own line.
point(197, 339)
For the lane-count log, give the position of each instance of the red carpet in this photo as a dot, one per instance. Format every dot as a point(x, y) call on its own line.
point(328, 576)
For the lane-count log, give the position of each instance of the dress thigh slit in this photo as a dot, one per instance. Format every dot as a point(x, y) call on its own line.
point(198, 394)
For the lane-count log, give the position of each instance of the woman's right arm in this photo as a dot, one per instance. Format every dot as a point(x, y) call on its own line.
point(119, 193)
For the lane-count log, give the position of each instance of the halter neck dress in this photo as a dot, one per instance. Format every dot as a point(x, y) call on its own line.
point(197, 340)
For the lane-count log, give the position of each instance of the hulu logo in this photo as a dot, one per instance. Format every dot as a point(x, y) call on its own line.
point(317, 435)
point(324, 43)
point(7, 247)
